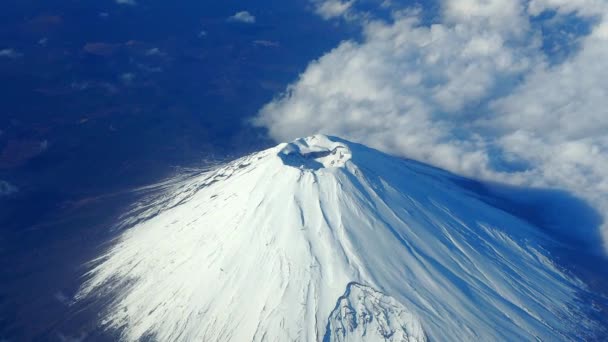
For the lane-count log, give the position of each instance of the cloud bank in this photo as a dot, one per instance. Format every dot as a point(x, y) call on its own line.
point(475, 92)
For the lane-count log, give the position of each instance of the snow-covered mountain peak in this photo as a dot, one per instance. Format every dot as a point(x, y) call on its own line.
point(315, 152)
point(268, 247)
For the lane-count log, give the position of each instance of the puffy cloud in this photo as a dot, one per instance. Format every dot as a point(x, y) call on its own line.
point(400, 88)
point(500, 16)
point(557, 121)
point(473, 93)
point(329, 9)
point(243, 17)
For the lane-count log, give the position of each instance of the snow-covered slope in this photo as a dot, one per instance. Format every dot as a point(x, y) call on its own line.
point(321, 240)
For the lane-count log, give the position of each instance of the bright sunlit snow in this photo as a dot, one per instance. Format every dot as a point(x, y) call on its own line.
point(322, 240)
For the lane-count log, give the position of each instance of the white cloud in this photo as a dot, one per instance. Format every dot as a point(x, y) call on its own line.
point(10, 53)
point(243, 17)
point(500, 16)
point(329, 9)
point(472, 93)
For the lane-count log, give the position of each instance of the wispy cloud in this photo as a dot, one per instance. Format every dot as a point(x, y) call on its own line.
point(126, 2)
point(10, 53)
point(127, 77)
point(100, 48)
point(266, 43)
point(7, 189)
point(154, 52)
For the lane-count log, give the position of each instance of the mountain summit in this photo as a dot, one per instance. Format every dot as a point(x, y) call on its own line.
point(322, 239)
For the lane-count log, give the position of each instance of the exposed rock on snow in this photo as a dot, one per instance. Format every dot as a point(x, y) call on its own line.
point(315, 152)
point(364, 314)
